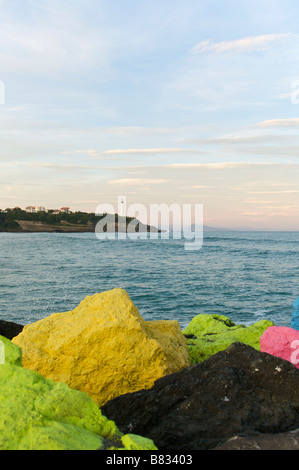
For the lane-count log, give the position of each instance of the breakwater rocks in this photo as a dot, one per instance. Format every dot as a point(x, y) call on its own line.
point(101, 377)
point(283, 342)
point(295, 317)
point(39, 414)
point(280, 441)
point(236, 392)
point(10, 329)
point(103, 347)
point(209, 334)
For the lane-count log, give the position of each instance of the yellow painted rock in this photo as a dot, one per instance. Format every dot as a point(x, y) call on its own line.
point(103, 347)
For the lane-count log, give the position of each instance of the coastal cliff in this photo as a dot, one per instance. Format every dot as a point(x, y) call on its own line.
point(63, 226)
point(78, 222)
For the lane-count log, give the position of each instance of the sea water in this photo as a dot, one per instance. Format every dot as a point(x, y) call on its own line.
point(247, 276)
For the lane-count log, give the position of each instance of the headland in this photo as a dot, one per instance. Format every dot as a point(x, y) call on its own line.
point(64, 221)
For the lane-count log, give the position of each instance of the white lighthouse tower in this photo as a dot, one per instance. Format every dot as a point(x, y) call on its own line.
point(122, 206)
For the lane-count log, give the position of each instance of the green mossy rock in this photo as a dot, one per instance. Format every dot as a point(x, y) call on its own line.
point(39, 414)
point(209, 334)
point(9, 352)
point(133, 442)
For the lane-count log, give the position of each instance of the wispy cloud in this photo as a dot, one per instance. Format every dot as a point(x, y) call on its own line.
point(54, 166)
point(247, 44)
point(137, 181)
point(95, 155)
point(48, 46)
point(289, 191)
point(220, 165)
point(143, 151)
point(292, 122)
point(252, 138)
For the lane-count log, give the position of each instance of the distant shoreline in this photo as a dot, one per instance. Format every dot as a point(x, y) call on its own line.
point(19, 221)
point(36, 227)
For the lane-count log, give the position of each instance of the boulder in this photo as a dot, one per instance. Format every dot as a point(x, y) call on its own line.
point(281, 341)
point(103, 347)
point(9, 353)
point(10, 329)
point(209, 334)
point(39, 414)
point(236, 392)
point(281, 441)
point(295, 317)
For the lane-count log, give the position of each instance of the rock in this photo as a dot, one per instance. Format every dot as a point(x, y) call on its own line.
point(209, 334)
point(39, 414)
point(295, 317)
point(103, 347)
point(235, 392)
point(10, 329)
point(9, 353)
point(281, 341)
point(280, 441)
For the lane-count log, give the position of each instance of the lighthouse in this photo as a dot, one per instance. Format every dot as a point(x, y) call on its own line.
point(122, 206)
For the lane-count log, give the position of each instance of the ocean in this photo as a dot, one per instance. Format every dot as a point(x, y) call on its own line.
point(246, 276)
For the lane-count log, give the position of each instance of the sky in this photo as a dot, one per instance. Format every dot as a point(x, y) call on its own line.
point(163, 102)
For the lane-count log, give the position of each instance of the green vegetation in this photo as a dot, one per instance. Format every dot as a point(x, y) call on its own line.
point(10, 216)
point(7, 224)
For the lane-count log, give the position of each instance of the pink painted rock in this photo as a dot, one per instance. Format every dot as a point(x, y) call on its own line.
point(283, 342)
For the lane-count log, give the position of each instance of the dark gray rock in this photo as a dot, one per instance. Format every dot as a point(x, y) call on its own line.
point(236, 392)
point(10, 329)
point(281, 441)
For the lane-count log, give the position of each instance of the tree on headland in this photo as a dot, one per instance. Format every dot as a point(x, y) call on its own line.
point(9, 218)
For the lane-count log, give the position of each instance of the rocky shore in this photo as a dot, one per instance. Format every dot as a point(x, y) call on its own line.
point(100, 377)
point(18, 221)
point(26, 226)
